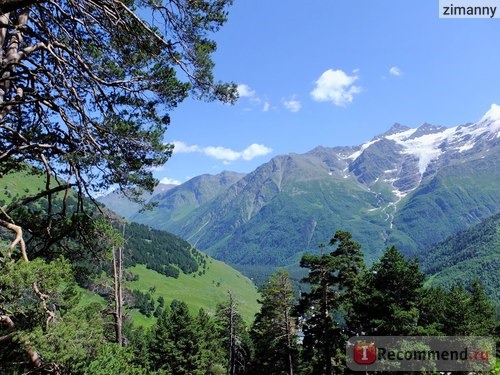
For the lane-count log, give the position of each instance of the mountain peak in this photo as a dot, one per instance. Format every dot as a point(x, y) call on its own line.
point(426, 129)
point(162, 188)
point(493, 113)
point(396, 128)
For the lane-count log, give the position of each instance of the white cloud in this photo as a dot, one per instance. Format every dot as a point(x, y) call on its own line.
point(245, 91)
point(336, 86)
point(395, 71)
point(255, 150)
point(223, 153)
point(169, 181)
point(181, 147)
point(292, 105)
point(267, 107)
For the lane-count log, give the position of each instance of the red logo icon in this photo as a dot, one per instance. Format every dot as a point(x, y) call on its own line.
point(365, 353)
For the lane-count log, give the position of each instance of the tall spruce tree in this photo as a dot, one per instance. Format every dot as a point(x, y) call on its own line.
point(388, 305)
point(174, 347)
point(273, 332)
point(322, 311)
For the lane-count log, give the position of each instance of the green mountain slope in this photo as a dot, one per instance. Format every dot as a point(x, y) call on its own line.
point(407, 187)
point(177, 204)
point(468, 255)
point(162, 261)
point(291, 204)
point(204, 289)
point(16, 185)
point(455, 198)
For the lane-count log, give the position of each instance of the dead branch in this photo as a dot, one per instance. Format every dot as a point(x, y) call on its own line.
point(17, 240)
point(33, 355)
point(51, 315)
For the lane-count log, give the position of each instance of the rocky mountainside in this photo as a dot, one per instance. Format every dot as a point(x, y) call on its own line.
point(411, 187)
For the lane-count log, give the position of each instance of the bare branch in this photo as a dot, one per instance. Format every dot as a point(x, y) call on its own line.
point(17, 230)
point(26, 200)
point(7, 321)
point(51, 315)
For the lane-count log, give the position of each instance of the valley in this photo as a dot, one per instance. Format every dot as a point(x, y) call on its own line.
point(409, 187)
point(219, 187)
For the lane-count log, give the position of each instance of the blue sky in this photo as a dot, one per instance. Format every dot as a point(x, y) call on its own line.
point(333, 73)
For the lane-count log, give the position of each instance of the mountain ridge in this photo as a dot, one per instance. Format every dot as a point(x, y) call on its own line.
point(393, 189)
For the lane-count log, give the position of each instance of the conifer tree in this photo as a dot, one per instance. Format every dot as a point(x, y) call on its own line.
point(273, 332)
point(211, 354)
point(392, 292)
point(234, 335)
point(458, 312)
point(86, 90)
point(333, 277)
point(174, 347)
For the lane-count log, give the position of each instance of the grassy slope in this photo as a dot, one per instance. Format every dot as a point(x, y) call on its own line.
point(204, 291)
point(200, 291)
point(19, 184)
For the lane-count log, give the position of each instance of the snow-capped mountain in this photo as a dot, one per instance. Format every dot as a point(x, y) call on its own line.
point(410, 187)
point(412, 154)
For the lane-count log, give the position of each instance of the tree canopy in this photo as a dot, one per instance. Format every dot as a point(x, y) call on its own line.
point(86, 86)
point(85, 93)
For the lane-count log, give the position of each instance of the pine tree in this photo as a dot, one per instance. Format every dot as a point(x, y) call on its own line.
point(174, 347)
point(273, 332)
point(392, 292)
point(211, 354)
point(235, 338)
point(333, 278)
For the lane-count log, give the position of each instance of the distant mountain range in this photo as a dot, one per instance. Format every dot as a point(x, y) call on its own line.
point(409, 187)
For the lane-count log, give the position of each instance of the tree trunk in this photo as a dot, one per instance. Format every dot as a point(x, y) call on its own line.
point(289, 344)
point(11, 5)
point(232, 343)
point(118, 277)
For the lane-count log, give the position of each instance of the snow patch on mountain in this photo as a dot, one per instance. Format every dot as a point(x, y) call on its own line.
point(493, 117)
point(429, 147)
point(425, 148)
point(356, 154)
point(417, 149)
point(493, 114)
point(467, 146)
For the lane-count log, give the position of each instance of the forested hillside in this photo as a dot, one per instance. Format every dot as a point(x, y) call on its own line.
point(473, 254)
point(160, 251)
